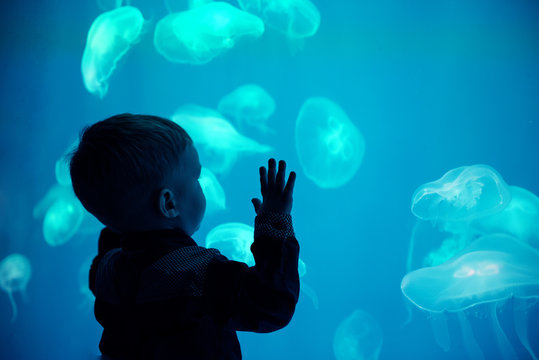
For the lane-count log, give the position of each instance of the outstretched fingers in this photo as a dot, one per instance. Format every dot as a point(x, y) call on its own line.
point(289, 188)
point(279, 181)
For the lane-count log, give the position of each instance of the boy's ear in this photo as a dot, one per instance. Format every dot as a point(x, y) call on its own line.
point(167, 204)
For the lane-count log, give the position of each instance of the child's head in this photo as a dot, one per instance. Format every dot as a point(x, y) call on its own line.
point(138, 172)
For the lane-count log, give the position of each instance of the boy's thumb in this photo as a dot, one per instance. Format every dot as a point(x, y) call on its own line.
point(256, 203)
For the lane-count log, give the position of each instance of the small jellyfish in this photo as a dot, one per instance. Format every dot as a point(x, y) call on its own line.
point(520, 218)
point(329, 146)
point(63, 215)
point(295, 18)
point(488, 271)
point(110, 37)
point(464, 193)
point(213, 191)
point(15, 272)
point(61, 170)
point(249, 105)
point(234, 241)
point(358, 337)
point(198, 35)
point(217, 141)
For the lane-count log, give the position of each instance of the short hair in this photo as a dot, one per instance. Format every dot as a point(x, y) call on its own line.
point(122, 159)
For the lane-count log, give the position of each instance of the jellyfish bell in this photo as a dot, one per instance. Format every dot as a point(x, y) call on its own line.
point(296, 19)
point(213, 191)
point(15, 272)
point(233, 240)
point(464, 193)
point(359, 336)
point(196, 36)
point(488, 271)
point(330, 148)
point(249, 105)
point(110, 37)
point(218, 142)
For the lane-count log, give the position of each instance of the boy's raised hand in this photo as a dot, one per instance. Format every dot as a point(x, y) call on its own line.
point(276, 194)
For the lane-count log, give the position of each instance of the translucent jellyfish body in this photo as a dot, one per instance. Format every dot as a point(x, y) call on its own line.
point(329, 146)
point(110, 37)
point(358, 337)
point(520, 218)
point(488, 271)
point(63, 215)
point(213, 191)
point(464, 193)
point(295, 18)
point(234, 241)
point(61, 170)
point(249, 105)
point(198, 35)
point(15, 272)
point(219, 144)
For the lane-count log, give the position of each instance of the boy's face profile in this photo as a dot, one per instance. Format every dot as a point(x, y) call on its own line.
point(190, 202)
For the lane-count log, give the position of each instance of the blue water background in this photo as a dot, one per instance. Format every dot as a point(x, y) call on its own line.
point(432, 85)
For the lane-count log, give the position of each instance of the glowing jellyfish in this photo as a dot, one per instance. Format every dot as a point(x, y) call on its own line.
point(15, 272)
point(61, 170)
point(198, 35)
point(234, 241)
point(63, 215)
point(217, 141)
point(329, 146)
point(84, 285)
point(358, 337)
point(110, 37)
point(213, 191)
point(488, 271)
point(464, 193)
point(520, 218)
point(249, 105)
point(295, 18)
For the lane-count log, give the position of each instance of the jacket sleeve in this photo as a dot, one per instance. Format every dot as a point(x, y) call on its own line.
point(261, 298)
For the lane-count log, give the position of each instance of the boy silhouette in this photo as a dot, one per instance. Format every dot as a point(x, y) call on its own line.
point(158, 294)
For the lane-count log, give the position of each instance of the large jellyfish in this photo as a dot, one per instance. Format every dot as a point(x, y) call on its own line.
point(198, 35)
point(487, 272)
point(217, 141)
point(358, 337)
point(294, 18)
point(249, 105)
point(464, 193)
point(520, 218)
point(329, 146)
point(110, 37)
point(234, 241)
point(15, 272)
point(63, 215)
point(213, 191)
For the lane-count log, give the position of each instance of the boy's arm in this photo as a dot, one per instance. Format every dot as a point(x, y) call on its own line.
point(108, 240)
point(261, 298)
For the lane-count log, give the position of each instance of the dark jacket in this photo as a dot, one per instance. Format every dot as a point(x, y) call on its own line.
point(160, 296)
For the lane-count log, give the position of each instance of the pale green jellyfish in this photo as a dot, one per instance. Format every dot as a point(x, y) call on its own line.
point(329, 146)
point(234, 241)
point(15, 272)
point(63, 215)
point(213, 191)
point(249, 105)
point(295, 18)
point(520, 218)
point(198, 35)
point(110, 37)
point(358, 337)
point(218, 143)
point(61, 170)
point(488, 271)
point(464, 193)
